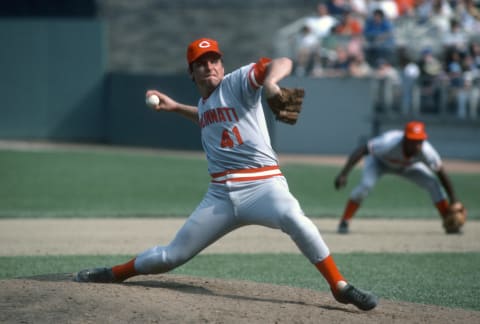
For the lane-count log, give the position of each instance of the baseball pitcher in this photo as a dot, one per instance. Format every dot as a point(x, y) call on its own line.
point(247, 186)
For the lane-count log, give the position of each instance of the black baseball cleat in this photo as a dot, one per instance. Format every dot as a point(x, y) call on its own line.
point(103, 275)
point(364, 300)
point(453, 231)
point(343, 227)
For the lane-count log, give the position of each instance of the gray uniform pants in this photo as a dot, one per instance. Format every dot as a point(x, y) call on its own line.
point(418, 173)
point(229, 206)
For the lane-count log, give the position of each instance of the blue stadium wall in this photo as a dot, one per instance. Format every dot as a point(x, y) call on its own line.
point(52, 79)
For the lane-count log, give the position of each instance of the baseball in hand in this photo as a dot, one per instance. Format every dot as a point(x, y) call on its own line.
point(152, 101)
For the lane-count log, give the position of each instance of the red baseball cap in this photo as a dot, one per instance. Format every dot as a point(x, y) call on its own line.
point(201, 46)
point(415, 130)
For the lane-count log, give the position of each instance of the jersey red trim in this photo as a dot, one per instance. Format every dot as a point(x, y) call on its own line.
point(246, 174)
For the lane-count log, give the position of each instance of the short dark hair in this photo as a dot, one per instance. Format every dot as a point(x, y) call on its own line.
point(379, 12)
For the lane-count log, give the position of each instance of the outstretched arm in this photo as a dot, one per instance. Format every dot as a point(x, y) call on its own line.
point(353, 159)
point(168, 104)
point(447, 184)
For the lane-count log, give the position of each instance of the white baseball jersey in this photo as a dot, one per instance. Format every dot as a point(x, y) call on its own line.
point(388, 149)
point(234, 130)
point(247, 186)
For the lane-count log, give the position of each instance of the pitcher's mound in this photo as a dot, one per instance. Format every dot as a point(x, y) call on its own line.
point(180, 299)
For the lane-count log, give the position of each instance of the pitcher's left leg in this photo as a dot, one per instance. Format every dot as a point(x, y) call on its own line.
point(274, 206)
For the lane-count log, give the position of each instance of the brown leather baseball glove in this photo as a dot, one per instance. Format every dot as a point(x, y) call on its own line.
point(455, 218)
point(287, 105)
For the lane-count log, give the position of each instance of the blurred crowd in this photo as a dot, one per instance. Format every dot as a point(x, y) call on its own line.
point(424, 54)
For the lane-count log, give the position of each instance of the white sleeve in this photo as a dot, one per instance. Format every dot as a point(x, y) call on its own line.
point(379, 145)
point(431, 157)
point(375, 144)
point(249, 95)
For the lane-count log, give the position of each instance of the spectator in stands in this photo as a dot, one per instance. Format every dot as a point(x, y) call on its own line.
point(458, 91)
point(318, 68)
point(379, 37)
point(322, 23)
point(388, 7)
point(387, 84)
point(410, 75)
point(464, 83)
point(440, 16)
point(306, 48)
point(348, 25)
point(472, 79)
point(359, 8)
point(430, 81)
point(355, 46)
point(359, 67)
point(467, 13)
point(474, 50)
point(455, 37)
point(337, 7)
point(349, 31)
point(423, 9)
point(473, 9)
point(405, 8)
point(339, 67)
point(435, 12)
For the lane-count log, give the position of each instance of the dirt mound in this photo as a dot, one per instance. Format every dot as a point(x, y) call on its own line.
point(181, 299)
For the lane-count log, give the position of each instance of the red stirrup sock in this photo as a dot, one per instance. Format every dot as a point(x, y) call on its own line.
point(124, 271)
point(350, 210)
point(442, 207)
point(330, 272)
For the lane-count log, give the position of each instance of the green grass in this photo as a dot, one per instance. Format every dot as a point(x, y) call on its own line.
point(93, 184)
point(126, 184)
point(76, 183)
point(445, 279)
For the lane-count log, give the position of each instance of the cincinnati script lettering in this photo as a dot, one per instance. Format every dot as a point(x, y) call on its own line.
point(218, 115)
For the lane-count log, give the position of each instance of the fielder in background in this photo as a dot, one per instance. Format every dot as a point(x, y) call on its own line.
point(247, 186)
point(407, 154)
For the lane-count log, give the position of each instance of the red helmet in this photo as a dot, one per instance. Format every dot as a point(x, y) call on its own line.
point(415, 130)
